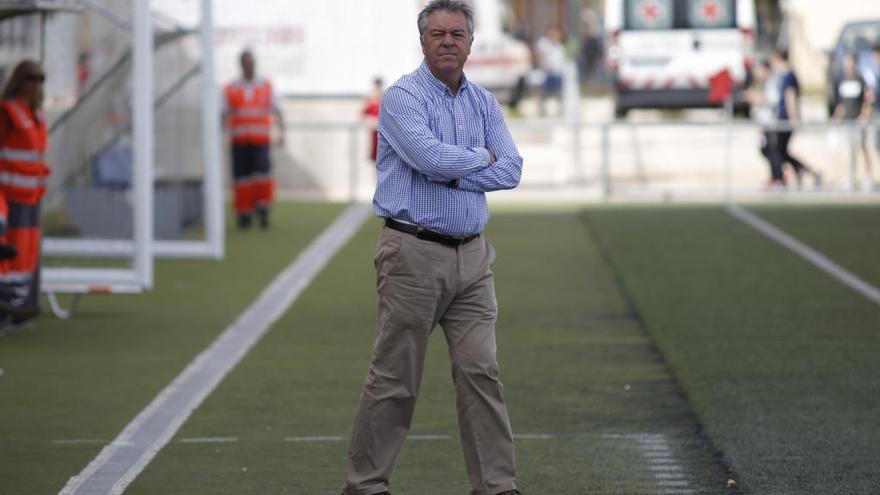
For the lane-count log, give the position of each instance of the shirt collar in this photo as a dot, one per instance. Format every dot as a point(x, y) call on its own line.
point(438, 84)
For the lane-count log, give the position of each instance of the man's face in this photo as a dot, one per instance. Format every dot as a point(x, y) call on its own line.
point(446, 42)
point(849, 66)
point(247, 66)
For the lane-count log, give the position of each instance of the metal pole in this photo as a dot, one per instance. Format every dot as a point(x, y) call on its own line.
point(43, 23)
point(851, 135)
point(578, 158)
point(728, 151)
point(604, 161)
point(212, 187)
point(143, 142)
point(353, 162)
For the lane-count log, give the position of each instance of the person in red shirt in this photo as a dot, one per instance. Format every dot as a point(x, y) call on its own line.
point(23, 175)
point(250, 105)
point(371, 112)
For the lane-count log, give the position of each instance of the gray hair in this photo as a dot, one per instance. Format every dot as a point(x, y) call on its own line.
point(453, 5)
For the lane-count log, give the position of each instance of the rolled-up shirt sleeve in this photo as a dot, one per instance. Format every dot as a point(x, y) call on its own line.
point(506, 172)
point(403, 123)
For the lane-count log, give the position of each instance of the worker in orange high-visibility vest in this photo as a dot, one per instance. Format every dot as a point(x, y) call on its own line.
point(249, 108)
point(23, 176)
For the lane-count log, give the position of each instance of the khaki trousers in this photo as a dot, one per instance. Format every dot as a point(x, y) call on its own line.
point(422, 283)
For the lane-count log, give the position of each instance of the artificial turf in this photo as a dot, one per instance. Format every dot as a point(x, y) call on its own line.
point(576, 362)
point(848, 234)
point(86, 378)
point(778, 359)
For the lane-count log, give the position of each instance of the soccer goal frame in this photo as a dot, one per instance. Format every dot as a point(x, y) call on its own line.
point(143, 247)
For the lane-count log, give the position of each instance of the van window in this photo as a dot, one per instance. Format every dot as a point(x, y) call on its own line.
point(710, 14)
point(648, 15)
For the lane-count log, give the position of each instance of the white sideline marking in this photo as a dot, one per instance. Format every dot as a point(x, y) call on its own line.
point(79, 441)
point(428, 437)
point(658, 455)
point(120, 462)
point(209, 440)
point(533, 436)
point(673, 483)
point(668, 476)
point(665, 468)
point(325, 438)
point(674, 467)
point(817, 259)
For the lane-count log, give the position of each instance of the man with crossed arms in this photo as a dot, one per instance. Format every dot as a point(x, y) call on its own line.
point(443, 144)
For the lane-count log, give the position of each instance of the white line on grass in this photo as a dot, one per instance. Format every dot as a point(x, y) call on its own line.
point(339, 438)
point(318, 438)
point(117, 465)
point(665, 468)
point(533, 436)
point(817, 259)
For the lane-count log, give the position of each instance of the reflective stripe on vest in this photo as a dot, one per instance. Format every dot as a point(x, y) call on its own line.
point(251, 130)
point(255, 113)
point(18, 180)
point(16, 277)
point(23, 156)
point(23, 117)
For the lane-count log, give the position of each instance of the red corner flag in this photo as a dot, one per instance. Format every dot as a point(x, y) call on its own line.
point(720, 86)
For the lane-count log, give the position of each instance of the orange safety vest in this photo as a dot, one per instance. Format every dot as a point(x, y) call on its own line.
point(23, 176)
point(23, 171)
point(250, 111)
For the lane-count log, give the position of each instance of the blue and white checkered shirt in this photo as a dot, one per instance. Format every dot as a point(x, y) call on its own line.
point(427, 136)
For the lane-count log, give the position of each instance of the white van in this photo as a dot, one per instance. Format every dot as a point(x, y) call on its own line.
point(662, 53)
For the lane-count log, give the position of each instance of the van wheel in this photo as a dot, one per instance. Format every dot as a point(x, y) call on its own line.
point(620, 112)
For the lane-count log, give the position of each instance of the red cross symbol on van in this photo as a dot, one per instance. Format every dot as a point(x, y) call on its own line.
point(710, 11)
point(650, 11)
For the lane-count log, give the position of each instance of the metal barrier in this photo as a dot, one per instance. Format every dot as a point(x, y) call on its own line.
point(620, 159)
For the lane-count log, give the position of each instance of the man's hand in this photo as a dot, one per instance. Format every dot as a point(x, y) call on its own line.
point(492, 158)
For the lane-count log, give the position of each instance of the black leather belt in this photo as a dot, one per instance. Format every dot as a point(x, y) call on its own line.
point(428, 235)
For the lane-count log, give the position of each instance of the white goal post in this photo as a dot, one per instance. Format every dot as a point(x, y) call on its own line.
point(143, 246)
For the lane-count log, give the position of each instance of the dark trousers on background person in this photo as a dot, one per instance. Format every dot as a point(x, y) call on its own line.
point(254, 186)
point(422, 283)
point(20, 276)
point(775, 149)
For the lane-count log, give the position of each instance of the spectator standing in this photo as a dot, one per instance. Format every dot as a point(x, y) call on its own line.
point(250, 105)
point(764, 102)
point(23, 176)
point(551, 61)
point(788, 113)
point(590, 55)
point(443, 144)
point(855, 100)
point(372, 105)
point(83, 72)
